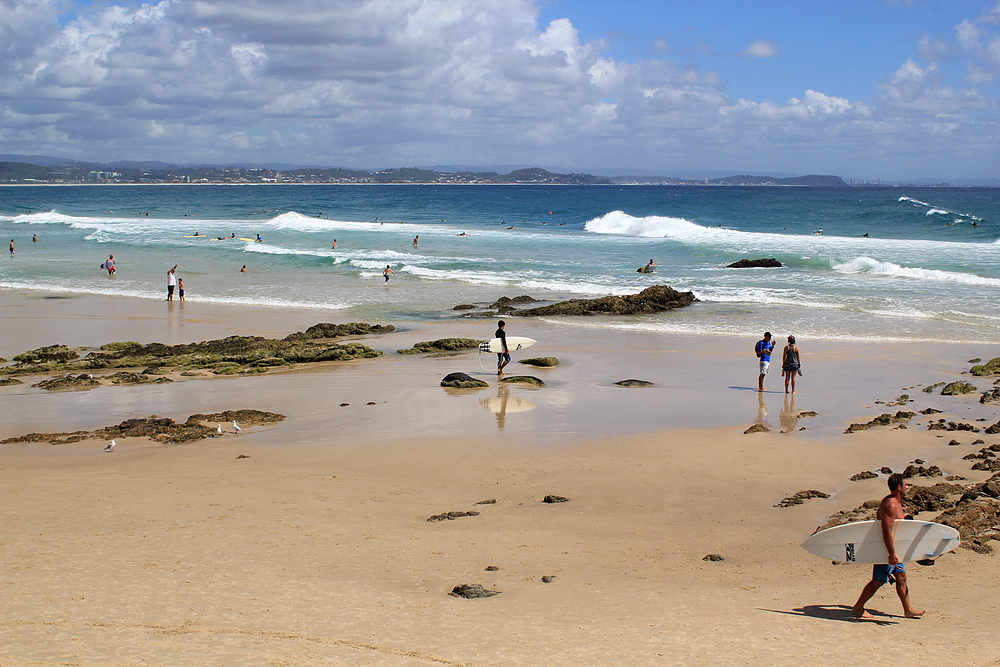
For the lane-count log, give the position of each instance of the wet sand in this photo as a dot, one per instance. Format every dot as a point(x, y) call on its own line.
point(317, 550)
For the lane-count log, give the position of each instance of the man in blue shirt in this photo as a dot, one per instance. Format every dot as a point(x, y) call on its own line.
point(763, 352)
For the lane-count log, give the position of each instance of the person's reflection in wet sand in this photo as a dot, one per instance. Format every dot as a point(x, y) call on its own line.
point(762, 412)
point(503, 393)
point(788, 416)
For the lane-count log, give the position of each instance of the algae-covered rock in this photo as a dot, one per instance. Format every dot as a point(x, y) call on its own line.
point(930, 388)
point(523, 379)
point(116, 347)
point(326, 330)
point(991, 367)
point(45, 355)
point(5, 382)
point(123, 377)
point(68, 382)
point(542, 362)
point(991, 396)
point(958, 388)
point(462, 381)
point(442, 345)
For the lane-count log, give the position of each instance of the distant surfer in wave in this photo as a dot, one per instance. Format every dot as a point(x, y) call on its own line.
point(503, 358)
point(889, 511)
point(649, 268)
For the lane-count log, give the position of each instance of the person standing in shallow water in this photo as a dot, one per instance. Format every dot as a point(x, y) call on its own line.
point(171, 283)
point(763, 352)
point(387, 272)
point(790, 363)
point(503, 358)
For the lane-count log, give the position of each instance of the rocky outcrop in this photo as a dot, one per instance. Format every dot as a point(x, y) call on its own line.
point(68, 383)
point(930, 388)
point(541, 362)
point(991, 367)
point(462, 381)
point(757, 428)
point(958, 388)
point(5, 382)
point(977, 522)
point(245, 353)
point(450, 516)
point(655, 299)
point(865, 474)
point(992, 396)
point(801, 497)
point(472, 591)
point(326, 330)
point(882, 420)
point(771, 263)
point(442, 345)
point(632, 382)
point(124, 377)
point(158, 429)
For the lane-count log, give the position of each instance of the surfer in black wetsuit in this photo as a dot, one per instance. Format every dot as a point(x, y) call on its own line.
point(503, 358)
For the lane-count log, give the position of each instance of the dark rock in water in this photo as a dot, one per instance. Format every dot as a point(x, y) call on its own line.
point(4, 382)
point(543, 362)
point(992, 396)
point(442, 345)
point(124, 377)
point(930, 411)
point(344, 405)
point(244, 416)
point(954, 443)
point(808, 413)
point(991, 367)
point(755, 264)
point(958, 388)
point(655, 299)
point(988, 465)
point(462, 381)
point(714, 558)
point(975, 361)
point(547, 579)
point(327, 330)
point(491, 501)
point(863, 475)
point(885, 470)
point(932, 387)
point(44, 355)
point(448, 516)
point(631, 382)
point(523, 379)
point(464, 306)
point(472, 591)
point(978, 442)
point(955, 478)
point(801, 497)
point(554, 499)
point(976, 522)
point(993, 430)
point(756, 428)
point(84, 381)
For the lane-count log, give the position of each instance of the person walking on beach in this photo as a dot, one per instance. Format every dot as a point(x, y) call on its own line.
point(171, 283)
point(503, 358)
point(889, 511)
point(387, 272)
point(180, 289)
point(110, 265)
point(763, 352)
point(790, 364)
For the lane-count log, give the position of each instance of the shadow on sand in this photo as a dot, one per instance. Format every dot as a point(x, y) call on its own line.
point(838, 612)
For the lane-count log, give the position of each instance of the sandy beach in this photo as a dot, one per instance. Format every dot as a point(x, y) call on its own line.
point(316, 549)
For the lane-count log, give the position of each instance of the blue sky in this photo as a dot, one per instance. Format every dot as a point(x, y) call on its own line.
point(898, 90)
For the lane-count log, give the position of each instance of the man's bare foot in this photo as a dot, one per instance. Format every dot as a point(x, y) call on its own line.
point(916, 613)
point(864, 615)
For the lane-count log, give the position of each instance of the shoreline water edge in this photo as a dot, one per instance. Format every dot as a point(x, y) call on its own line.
point(588, 513)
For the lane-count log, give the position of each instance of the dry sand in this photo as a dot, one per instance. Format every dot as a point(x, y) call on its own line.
point(317, 550)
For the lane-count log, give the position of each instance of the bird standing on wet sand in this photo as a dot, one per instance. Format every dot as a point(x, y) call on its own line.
point(237, 427)
point(219, 431)
point(111, 447)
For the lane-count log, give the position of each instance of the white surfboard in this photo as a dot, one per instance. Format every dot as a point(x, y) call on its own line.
point(861, 541)
point(514, 343)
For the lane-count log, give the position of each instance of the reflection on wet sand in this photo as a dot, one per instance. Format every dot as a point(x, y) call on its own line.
point(788, 416)
point(503, 403)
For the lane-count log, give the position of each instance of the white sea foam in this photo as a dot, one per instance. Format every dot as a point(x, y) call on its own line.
point(876, 267)
point(935, 211)
point(915, 201)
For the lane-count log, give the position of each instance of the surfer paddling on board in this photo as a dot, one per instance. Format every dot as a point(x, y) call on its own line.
point(889, 511)
point(503, 358)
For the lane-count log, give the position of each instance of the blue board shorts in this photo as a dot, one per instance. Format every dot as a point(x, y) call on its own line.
point(881, 572)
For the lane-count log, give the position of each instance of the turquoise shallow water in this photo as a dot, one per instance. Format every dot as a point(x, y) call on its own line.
point(928, 269)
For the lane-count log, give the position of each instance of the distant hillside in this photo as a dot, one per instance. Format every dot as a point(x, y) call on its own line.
point(815, 181)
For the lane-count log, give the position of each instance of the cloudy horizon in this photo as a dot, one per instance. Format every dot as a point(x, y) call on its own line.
point(898, 90)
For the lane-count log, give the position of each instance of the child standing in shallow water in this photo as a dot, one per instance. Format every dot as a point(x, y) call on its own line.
point(180, 288)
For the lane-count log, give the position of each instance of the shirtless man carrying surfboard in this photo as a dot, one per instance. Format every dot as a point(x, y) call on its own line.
point(503, 358)
point(889, 511)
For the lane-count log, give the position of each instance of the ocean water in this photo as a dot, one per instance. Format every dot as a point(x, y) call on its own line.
point(891, 264)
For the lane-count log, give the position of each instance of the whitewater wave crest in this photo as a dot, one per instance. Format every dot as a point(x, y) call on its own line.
point(872, 266)
point(654, 226)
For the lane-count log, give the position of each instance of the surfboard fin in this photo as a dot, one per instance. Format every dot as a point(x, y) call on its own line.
point(926, 562)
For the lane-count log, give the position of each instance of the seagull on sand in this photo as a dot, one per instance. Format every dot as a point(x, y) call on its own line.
point(219, 431)
point(237, 427)
point(111, 447)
